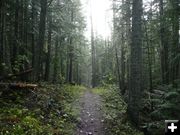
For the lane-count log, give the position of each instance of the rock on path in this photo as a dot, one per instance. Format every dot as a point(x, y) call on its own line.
point(91, 121)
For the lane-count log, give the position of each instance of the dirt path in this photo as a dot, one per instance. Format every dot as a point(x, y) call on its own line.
point(91, 117)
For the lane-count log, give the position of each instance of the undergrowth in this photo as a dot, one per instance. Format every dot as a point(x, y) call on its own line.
point(164, 105)
point(49, 110)
point(115, 112)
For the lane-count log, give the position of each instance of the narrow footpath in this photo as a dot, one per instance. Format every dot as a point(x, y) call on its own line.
point(91, 120)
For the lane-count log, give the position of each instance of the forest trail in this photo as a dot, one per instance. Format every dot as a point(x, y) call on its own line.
point(91, 122)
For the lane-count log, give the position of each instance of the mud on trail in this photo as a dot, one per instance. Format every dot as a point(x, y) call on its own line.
point(91, 120)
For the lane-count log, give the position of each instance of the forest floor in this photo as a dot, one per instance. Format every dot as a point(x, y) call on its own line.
point(49, 110)
point(91, 120)
point(113, 112)
point(64, 110)
point(103, 112)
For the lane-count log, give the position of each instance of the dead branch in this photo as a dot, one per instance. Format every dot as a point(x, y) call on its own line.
point(19, 85)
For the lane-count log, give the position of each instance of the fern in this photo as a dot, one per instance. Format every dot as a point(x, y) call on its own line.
point(172, 95)
point(168, 106)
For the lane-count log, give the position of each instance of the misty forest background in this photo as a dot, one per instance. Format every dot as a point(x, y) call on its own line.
point(43, 42)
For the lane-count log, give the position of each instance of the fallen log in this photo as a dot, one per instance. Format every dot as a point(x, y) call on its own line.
point(17, 74)
point(19, 85)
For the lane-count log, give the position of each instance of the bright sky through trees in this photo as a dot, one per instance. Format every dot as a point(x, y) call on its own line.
point(102, 16)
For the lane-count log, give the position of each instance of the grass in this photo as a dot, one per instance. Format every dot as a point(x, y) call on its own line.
point(99, 90)
point(47, 111)
point(115, 112)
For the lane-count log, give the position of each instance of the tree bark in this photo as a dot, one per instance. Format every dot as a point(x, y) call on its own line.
point(33, 33)
point(175, 41)
point(5, 52)
point(128, 40)
point(48, 56)
point(164, 47)
point(16, 33)
point(135, 63)
point(71, 49)
point(55, 75)
point(123, 63)
point(93, 56)
point(1, 35)
point(70, 61)
point(149, 53)
point(115, 41)
point(40, 45)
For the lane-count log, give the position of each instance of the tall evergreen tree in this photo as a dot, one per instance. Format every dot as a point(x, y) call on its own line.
point(135, 63)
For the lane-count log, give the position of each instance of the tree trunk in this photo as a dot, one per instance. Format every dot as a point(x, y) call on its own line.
point(1, 35)
point(40, 45)
point(25, 35)
point(5, 52)
point(117, 65)
point(33, 33)
point(149, 45)
point(123, 65)
point(118, 76)
point(175, 41)
point(128, 36)
point(164, 47)
point(71, 49)
point(67, 65)
point(135, 64)
point(56, 60)
point(93, 55)
point(70, 61)
point(48, 57)
point(16, 33)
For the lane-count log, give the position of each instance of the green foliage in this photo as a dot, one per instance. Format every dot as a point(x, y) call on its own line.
point(114, 112)
point(19, 63)
point(165, 106)
point(168, 105)
point(108, 79)
point(20, 121)
point(52, 112)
